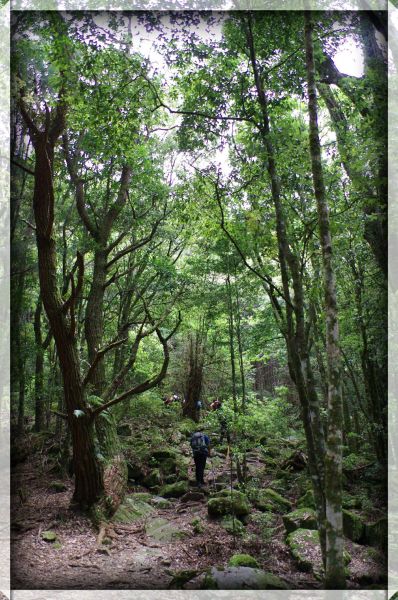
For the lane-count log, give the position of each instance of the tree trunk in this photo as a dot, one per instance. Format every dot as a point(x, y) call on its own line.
point(39, 369)
point(334, 575)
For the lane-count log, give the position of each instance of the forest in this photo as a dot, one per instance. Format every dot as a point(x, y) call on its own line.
point(199, 244)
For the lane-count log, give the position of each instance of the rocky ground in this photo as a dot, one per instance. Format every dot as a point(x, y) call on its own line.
point(169, 535)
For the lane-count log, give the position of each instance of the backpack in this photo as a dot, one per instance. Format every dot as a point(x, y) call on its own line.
point(198, 443)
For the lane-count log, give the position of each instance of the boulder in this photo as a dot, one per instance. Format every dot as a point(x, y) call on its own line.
point(162, 530)
point(135, 471)
point(232, 526)
point(297, 461)
point(225, 502)
point(168, 466)
point(164, 454)
point(193, 496)
point(131, 510)
point(58, 486)
point(270, 500)
point(305, 549)
point(174, 490)
point(302, 518)
point(241, 578)
point(353, 526)
point(369, 566)
point(153, 479)
point(376, 534)
point(243, 560)
point(160, 502)
point(307, 500)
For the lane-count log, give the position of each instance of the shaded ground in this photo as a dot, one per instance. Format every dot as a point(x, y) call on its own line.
point(132, 558)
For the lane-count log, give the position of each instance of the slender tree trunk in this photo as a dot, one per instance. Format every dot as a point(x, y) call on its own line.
point(231, 344)
point(39, 369)
point(334, 576)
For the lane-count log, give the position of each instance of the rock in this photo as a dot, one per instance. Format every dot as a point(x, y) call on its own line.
point(305, 548)
point(135, 471)
point(48, 536)
point(193, 496)
point(164, 531)
point(168, 466)
point(350, 501)
point(368, 566)
point(241, 578)
point(270, 500)
point(307, 500)
point(153, 479)
point(243, 560)
point(353, 526)
point(124, 430)
point(297, 461)
point(131, 510)
point(225, 503)
point(58, 486)
point(170, 478)
point(166, 453)
point(174, 490)
point(180, 578)
point(232, 526)
point(376, 534)
point(302, 518)
point(160, 502)
point(197, 525)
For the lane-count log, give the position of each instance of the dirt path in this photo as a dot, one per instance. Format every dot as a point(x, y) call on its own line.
point(133, 558)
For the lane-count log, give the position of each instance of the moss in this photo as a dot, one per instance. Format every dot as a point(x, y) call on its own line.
point(57, 545)
point(353, 526)
point(302, 518)
point(197, 525)
point(180, 578)
point(300, 542)
point(376, 534)
point(174, 490)
point(131, 510)
point(168, 466)
point(153, 479)
point(243, 560)
point(224, 503)
point(232, 526)
point(58, 486)
point(307, 500)
point(270, 500)
point(48, 536)
point(164, 454)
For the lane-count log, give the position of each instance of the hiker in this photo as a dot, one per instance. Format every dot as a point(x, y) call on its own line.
point(215, 404)
point(200, 445)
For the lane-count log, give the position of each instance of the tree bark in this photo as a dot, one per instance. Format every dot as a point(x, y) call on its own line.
point(334, 574)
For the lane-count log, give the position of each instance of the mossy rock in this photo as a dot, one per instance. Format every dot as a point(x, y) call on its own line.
point(307, 500)
point(369, 566)
point(153, 479)
point(353, 526)
point(180, 578)
point(164, 454)
point(232, 526)
point(302, 518)
point(58, 486)
point(174, 490)
point(135, 471)
point(49, 536)
point(225, 502)
point(270, 500)
point(131, 510)
point(144, 496)
point(278, 485)
point(168, 466)
point(57, 545)
point(160, 502)
point(376, 534)
point(305, 548)
point(241, 578)
point(197, 525)
point(350, 501)
point(164, 531)
point(243, 560)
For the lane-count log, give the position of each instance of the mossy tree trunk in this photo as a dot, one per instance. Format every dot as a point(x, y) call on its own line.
point(334, 573)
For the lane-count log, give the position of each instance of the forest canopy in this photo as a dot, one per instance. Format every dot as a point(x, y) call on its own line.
point(199, 211)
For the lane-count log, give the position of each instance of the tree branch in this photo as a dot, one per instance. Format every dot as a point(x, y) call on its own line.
point(99, 356)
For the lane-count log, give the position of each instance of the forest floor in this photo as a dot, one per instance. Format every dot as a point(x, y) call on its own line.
point(134, 555)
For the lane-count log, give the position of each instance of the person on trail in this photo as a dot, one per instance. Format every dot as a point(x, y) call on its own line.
point(223, 422)
point(200, 444)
